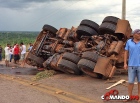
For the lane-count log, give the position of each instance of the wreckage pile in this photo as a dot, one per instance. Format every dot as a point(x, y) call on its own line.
point(96, 50)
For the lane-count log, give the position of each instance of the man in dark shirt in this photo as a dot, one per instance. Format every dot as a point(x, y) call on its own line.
point(0, 53)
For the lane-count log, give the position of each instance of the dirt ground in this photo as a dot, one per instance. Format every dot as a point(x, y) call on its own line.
point(82, 85)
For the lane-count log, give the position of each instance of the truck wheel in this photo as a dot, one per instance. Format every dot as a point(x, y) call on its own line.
point(85, 31)
point(111, 19)
point(39, 61)
point(87, 64)
point(90, 23)
point(107, 28)
point(92, 74)
point(68, 67)
point(30, 62)
point(50, 28)
point(71, 57)
point(90, 56)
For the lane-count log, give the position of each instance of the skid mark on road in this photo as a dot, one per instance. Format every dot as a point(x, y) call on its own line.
point(61, 94)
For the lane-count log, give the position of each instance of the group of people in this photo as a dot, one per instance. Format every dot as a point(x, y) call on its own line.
point(16, 52)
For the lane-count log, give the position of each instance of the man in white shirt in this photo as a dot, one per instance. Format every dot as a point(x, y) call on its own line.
point(23, 52)
point(7, 55)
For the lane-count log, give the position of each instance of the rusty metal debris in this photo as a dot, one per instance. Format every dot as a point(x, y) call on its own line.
point(93, 49)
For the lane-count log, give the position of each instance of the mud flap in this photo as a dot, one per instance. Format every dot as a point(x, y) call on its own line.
point(123, 27)
point(104, 67)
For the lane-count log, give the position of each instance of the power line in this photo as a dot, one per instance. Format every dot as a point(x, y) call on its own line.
point(63, 15)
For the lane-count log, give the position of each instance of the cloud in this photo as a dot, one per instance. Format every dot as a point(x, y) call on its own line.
point(21, 4)
point(31, 15)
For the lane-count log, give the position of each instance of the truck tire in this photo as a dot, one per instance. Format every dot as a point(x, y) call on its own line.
point(39, 61)
point(85, 31)
point(107, 28)
point(90, 23)
point(71, 57)
point(86, 64)
point(49, 28)
point(111, 19)
point(90, 56)
point(92, 74)
point(68, 67)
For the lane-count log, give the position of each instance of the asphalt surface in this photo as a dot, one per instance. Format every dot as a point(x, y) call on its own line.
point(12, 92)
point(82, 85)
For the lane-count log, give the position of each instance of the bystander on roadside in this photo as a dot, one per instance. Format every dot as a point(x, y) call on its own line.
point(11, 53)
point(16, 54)
point(30, 47)
point(23, 53)
point(7, 55)
point(132, 54)
point(0, 53)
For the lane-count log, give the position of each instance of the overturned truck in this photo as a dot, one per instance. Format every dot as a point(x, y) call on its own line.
point(96, 50)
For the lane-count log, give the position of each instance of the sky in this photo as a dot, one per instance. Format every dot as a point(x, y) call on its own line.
point(31, 15)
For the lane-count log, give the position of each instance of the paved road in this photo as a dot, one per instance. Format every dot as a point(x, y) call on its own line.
point(12, 92)
point(83, 86)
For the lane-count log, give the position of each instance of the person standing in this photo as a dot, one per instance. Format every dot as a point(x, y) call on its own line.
point(0, 53)
point(11, 53)
point(7, 55)
point(30, 47)
point(16, 54)
point(23, 53)
point(132, 54)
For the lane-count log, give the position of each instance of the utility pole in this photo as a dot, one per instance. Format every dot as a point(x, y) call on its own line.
point(123, 9)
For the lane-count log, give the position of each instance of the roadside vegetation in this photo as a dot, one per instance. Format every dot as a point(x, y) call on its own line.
point(44, 74)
